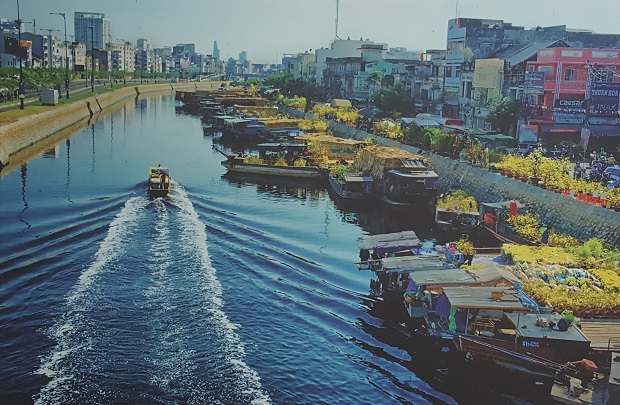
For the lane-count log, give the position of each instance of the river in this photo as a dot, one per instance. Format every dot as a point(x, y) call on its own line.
point(228, 292)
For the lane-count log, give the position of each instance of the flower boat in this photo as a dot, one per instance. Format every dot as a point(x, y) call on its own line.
point(159, 181)
point(493, 218)
point(276, 159)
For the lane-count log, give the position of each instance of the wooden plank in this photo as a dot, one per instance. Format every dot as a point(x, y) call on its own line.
point(604, 335)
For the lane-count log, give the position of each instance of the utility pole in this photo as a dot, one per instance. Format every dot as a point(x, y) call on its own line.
point(92, 59)
point(22, 87)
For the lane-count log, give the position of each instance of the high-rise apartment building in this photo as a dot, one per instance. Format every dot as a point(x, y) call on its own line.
point(101, 29)
point(216, 51)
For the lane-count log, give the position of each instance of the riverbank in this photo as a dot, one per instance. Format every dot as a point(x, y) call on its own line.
point(559, 212)
point(29, 130)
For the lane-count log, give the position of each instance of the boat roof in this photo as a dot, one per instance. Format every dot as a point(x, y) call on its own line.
point(415, 175)
point(225, 117)
point(397, 240)
point(478, 297)
point(357, 178)
point(527, 327)
point(281, 146)
point(472, 213)
point(441, 277)
point(159, 169)
point(238, 120)
point(492, 274)
point(405, 264)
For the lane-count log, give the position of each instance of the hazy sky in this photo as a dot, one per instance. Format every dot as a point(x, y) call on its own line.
point(266, 29)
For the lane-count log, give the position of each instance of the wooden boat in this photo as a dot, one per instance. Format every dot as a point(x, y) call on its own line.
point(352, 187)
point(402, 180)
point(242, 128)
point(412, 186)
point(374, 247)
point(506, 326)
point(492, 219)
point(455, 221)
point(159, 181)
point(270, 153)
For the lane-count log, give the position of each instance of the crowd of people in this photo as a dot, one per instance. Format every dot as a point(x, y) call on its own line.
point(600, 161)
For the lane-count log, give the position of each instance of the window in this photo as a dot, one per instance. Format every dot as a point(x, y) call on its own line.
point(548, 70)
point(570, 75)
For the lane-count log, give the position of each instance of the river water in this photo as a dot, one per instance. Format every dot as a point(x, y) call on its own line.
point(228, 292)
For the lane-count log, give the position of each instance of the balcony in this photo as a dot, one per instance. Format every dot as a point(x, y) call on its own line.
point(567, 87)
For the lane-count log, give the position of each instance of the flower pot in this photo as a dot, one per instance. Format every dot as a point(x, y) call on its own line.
point(534, 180)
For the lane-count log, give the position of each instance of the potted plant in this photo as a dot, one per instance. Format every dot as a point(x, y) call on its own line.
point(466, 247)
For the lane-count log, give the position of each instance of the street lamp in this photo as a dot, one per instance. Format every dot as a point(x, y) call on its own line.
point(66, 54)
point(92, 59)
point(22, 87)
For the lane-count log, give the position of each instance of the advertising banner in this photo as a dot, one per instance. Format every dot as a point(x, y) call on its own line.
point(488, 73)
point(534, 82)
point(570, 104)
point(604, 98)
point(527, 133)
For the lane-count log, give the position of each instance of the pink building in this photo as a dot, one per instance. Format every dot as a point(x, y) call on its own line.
point(559, 98)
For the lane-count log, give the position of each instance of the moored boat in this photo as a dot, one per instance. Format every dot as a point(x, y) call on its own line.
point(402, 180)
point(159, 181)
point(504, 325)
point(277, 159)
point(352, 188)
point(455, 221)
point(493, 219)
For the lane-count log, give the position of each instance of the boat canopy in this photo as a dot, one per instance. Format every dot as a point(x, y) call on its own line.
point(159, 170)
point(415, 175)
point(356, 178)
point(441, 277)
point(490, 275)
point(405, 264)
point(389, 242)
point(485, 298)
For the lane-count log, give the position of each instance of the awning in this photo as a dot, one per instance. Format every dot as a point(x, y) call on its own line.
point(604, 130)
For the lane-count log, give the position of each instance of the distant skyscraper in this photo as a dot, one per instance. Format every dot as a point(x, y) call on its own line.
point(216, 51)
point(243, 56)
point(101, 29)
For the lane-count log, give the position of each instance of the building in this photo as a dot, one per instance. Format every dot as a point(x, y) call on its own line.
point(122, 56)
point(143, 55)
point(216, 51)
point(575, 88)
point(469, 39)
point(101, 29)
point(339, 48)
point(243, 57)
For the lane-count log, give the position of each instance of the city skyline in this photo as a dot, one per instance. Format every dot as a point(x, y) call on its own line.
point(267, 29)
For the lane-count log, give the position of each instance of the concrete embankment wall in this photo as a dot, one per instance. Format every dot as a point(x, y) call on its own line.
point(32, 129)
point(564, 214)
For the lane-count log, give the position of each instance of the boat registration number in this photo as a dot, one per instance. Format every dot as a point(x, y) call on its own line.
point(525, 343)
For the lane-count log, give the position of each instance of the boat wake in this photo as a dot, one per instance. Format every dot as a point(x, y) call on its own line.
point(144, 322)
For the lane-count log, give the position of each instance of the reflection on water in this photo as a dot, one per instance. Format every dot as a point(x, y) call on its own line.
point(24, 172)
